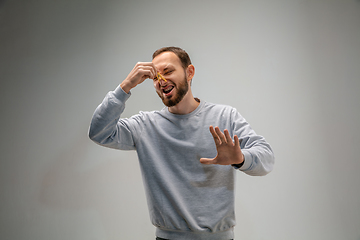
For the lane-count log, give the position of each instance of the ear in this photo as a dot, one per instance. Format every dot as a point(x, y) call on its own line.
point(190, 72)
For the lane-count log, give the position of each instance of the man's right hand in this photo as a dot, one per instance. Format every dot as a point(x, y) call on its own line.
point(141, 71)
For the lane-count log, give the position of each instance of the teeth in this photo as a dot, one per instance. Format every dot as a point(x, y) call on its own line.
point(168, 89)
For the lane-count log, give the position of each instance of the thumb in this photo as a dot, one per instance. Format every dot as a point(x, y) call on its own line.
point(207, 160)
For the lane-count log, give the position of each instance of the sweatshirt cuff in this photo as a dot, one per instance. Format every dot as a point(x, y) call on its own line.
point(247, 161)
point(120, 94)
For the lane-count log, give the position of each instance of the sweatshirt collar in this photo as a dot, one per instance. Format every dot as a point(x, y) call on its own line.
point(193, 113)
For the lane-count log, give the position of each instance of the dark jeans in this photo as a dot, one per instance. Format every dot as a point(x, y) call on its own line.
point(169, 239)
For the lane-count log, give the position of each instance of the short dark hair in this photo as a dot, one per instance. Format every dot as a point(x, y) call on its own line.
point(182, 55)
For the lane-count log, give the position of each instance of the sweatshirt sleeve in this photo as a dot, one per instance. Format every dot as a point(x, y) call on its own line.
point(259, 156)
point(106, 127)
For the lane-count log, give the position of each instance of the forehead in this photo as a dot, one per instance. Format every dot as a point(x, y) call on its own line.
point(165, 60)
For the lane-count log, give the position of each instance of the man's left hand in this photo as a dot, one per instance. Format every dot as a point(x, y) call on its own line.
point(228, 152)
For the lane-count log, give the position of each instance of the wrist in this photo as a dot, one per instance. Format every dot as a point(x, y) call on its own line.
point(239, 165)
point(125, 86)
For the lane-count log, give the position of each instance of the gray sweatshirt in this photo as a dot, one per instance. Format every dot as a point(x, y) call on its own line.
point(186, 199)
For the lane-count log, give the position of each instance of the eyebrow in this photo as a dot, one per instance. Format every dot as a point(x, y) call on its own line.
point(168, 66)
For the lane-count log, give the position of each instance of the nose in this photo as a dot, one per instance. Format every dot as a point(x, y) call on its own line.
point(161, 78)
point(159, 83)
point(162, 82)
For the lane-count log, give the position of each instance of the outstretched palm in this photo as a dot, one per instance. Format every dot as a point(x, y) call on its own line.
point(228, 152)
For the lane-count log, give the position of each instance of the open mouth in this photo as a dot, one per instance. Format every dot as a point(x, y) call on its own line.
point(167, 90)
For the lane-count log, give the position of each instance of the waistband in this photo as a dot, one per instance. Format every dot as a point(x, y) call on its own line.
point(184, 235)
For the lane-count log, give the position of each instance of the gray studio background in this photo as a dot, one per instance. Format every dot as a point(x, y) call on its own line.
point(291, 68)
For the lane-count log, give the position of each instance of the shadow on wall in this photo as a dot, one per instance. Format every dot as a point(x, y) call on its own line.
point(105, 189)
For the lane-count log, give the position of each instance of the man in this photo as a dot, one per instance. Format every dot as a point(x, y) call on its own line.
point(186, 153)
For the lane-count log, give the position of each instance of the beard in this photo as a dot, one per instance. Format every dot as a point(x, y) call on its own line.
point(180, 90)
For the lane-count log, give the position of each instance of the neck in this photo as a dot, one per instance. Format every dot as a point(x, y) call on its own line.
point(186, 105)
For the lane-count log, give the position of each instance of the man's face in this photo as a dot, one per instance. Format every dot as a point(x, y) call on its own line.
point(175, 88)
